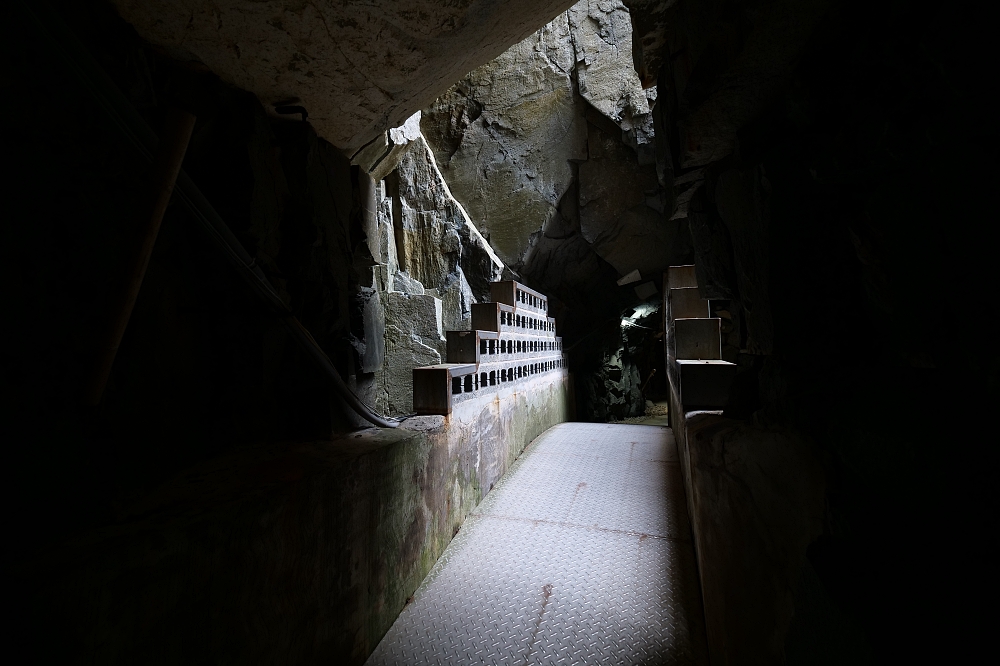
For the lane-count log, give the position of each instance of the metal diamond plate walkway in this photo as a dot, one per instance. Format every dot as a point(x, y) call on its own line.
point(581, 554)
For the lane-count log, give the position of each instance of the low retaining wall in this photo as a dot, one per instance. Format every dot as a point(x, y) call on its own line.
point(288, 553)
point(756, 496)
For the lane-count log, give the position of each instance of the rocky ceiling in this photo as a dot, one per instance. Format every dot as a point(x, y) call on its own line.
point(357, 67)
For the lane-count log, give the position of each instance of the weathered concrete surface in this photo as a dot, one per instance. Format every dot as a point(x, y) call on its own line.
point(757, 498)
point(357, 67)
point(297, 553)
point(495, 424)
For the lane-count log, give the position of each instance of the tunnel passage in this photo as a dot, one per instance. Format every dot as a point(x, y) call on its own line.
point(828, 167)
point(581, 554)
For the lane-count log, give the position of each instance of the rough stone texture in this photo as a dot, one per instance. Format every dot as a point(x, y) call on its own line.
point(730, 63)
point(381, 156)
point(606, 76)
point(829, 214)
point(549, 148)
point(423, 423)
point(441, 247)
point(506, 134)
point(742, 200)
point(650, 28)
point(613, 392)
point(621, 213)
point(424, 247)
point(879, 158)
point(358, 68)
point(291, 553)
point(414, 336)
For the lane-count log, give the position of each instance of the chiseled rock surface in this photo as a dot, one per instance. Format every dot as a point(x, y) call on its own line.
point(442, 249)
point(613, 392)
point(650, 25)
point(549, 148)
point(508, 138)
point(730, 62)
point(357, 67)
point(506, 134)
point(413, 337)
point(431, 265)
point(602, 39)
point(620, 210)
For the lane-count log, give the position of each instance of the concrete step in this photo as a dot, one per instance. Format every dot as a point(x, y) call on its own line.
point(680, 276)
point(466, 346)
point(704, 384)
point(432, 386)
point(698, 338)
point(687, 303)
point(516, 294)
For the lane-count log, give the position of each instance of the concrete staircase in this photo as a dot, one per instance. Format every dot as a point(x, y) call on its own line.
point(699, 378)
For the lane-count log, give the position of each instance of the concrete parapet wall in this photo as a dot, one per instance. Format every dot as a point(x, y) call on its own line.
point(504, 421)
point(288, 553)
point(756, 499)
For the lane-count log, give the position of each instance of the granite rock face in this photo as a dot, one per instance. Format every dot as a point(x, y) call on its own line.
point(621, 213)
point(510, 135)
point(650, 23)
point(602, 40)
point(613, 391)
point(507, 134)
point(824, 193)
point(357, 67)
point(413, 337)
point(440, 246)
point(550, 148)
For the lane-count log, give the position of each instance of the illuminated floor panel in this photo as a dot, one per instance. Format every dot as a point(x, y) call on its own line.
point(581, 554)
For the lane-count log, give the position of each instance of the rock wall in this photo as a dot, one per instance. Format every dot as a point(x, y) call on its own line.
point(826, 215)
point(756, 498)
point(203, 369)
point(550, 149)
point(551, 116)
point(431, 265)
point(357, 67)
